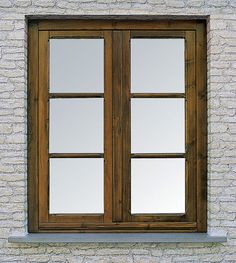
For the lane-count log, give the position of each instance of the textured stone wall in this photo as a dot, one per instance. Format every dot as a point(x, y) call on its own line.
point(222, 132)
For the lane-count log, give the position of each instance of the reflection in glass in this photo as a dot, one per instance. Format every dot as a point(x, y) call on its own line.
point(157, 125)
point(157, 65)
point(76, 126)
point(76, 65)
point(157, 186)
point(76, 186)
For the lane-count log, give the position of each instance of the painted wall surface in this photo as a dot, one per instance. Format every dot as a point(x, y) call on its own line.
point(221, 122)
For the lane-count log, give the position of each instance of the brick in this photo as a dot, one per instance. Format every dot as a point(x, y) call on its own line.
point(5, 128)
point(217, 3)
point(142, 251)
point(6, 26)
point(6, 169)
point(22, 3)
point(195, 3)
point(7, 65)
point(175, 3)
point(44, 3)
point(112, 251)
point(5, 3)
point(149, 259)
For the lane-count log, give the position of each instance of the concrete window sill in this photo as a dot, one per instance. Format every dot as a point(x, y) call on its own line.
point(118, 238)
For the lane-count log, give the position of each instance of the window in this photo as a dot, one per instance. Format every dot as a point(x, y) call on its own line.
point(117, 136)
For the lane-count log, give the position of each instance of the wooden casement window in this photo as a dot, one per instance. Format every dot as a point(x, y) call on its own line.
point(117, 136)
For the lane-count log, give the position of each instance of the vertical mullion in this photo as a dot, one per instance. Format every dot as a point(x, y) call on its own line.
point(126, 127)
point(43, 126)
point(190, 177)
point(107, 126)
point(117, 126)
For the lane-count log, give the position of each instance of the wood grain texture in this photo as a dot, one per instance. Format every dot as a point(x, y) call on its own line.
point(76, 155)
point(126, 126)
point(119, 227)
point(44, 216)
point(108, 111)
point(117, 127)
point(157, 95)
point(43, 126)
point(158, 155)
point(190, 126)
point(32, 128)
point(157, 34)
point(116, 24)
point(201, 83)
point(76, 34)
point(117, 131)
point(70, 219)
point(75, 95)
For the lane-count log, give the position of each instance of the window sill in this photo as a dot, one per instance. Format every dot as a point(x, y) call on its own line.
point(118, 238)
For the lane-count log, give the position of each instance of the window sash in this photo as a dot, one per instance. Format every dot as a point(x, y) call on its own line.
point(44, 216)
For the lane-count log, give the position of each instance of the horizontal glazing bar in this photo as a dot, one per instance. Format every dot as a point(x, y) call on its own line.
point(75, 95)
point(158, 155)
point(76, 155)
point(157, 95)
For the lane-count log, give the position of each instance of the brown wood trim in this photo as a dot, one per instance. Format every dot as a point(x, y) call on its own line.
point(117, 116)
point(120, 226)
point(201, 84)
point(116, 230)
point(117, 127)
point(116, 24)
point(108, 109)
point(76, 155)
point(157, 95)
point(107, 217)
point(158, 155)
point(76, 34)
point(44, 173)
point(157, 34)
point(43, 126)
point(190, 126)
point(75, 218)
point(126, 127)
point(75, 95)
point(32, 128)
point(159, 217)
point(160, 214)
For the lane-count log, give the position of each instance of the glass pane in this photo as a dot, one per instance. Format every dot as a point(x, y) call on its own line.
point(157, 186)
point(76, 126)
point(157, 65)
point(76, 186)
point(157, 125)
point(76, 65)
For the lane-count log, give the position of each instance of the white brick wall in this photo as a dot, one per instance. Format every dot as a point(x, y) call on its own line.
point(222, 132)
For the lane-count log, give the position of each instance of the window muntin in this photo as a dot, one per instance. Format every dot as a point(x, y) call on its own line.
point(117, 154)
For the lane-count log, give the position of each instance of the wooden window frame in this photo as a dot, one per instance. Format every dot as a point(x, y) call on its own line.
point(117, 217)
